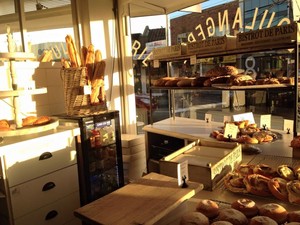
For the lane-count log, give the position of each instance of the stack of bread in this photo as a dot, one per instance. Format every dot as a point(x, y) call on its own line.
point(282, 182)
point(243, 211)
point(228, 75)
point(90, 58)
point(247, 133)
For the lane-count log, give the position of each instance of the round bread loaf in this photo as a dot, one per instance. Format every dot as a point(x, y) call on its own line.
point(246, 206)
point(208, 207)
point(194, 218)
point(274, 211)
point(221, 223)
point(28, 121)
point(4, 123)
point(233, 216)
point(262, 220)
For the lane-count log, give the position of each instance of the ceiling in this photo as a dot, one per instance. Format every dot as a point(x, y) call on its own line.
point(157, 7)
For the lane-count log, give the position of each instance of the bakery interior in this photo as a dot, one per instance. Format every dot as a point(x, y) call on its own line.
point(149, 112)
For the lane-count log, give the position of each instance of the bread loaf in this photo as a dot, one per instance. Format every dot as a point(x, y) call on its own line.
point(89, 62)
point(72, 51)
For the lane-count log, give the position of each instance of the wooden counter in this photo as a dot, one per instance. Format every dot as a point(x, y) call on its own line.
point(193, 129)
point(145, 201)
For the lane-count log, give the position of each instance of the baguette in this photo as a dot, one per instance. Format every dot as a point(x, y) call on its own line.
point(84, 52)
point(72, 51)
point(64, 63)
point(98, 56)
point(90, 60)
point(98, 92)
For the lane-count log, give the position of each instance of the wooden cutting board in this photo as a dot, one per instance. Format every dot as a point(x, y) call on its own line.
point(143, 202)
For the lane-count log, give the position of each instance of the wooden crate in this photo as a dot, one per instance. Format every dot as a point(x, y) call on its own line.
point(169, 51)
point(211, 44)
point(208, 161)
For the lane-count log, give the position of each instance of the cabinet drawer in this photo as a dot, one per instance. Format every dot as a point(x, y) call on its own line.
point(58, 213)
point(44, 190)
point(39, 156)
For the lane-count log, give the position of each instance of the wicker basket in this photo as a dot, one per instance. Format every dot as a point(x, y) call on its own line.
point(76, 102)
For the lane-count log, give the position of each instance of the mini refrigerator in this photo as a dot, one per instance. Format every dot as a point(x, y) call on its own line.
point(99, 153)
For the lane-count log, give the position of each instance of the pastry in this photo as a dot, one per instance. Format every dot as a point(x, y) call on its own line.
point(293, 188)
point(233, 216)
point(41, 120)
point(245, 169)
point(294, 216)
point(297, 171)
point(274, 211)
point(4, 123)
point(246, 139)
point(257, 184)
point(28, 121)
point(286, 172)
point(194, 218)
point(234, 182)
point(263, 136)
point(264, 170)
point(262, 220)
point(208, 207)
point(216, 80)
point(231, 70)
point(246, 206)
point(277, 186)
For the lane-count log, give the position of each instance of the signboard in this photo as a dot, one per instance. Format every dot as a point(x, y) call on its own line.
point(169, 51)
point(279, 35)
point(211, 44)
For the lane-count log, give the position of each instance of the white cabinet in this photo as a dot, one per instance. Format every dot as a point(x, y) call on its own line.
point(40, 178)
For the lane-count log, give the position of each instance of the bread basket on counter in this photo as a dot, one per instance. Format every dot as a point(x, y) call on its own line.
point(77, 92)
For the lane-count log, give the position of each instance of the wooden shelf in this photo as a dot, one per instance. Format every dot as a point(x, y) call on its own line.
point(6, 94)
point(16, 55)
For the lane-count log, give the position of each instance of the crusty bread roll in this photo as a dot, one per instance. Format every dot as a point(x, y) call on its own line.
point(247, 206)
point(274, 211)
point(28, 121)
point(4, 123)
point(233, 216)
point(208, 207)
point(42, 120)
point(72, 51)
point(221, 222)
point(262, 220)
point(194, 218)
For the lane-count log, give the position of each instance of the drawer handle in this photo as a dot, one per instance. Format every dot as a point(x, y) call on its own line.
point(48, 186)
point(50, 215)
point(45, 155)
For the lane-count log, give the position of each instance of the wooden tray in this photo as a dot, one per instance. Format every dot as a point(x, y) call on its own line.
point(52, 124)
point(144, 201)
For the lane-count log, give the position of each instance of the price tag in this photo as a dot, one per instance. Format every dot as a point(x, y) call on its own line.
point(182, 172)
point(208, 117)
point(87, 89)
point(193, 60)
point(288, 125)
point(244, 116)
point(231, 130)
point(265, 121)
point(226, 119)
point(156, 63)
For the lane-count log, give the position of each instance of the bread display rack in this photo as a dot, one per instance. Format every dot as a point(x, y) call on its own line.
point(14, 92)
point(286, 38)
